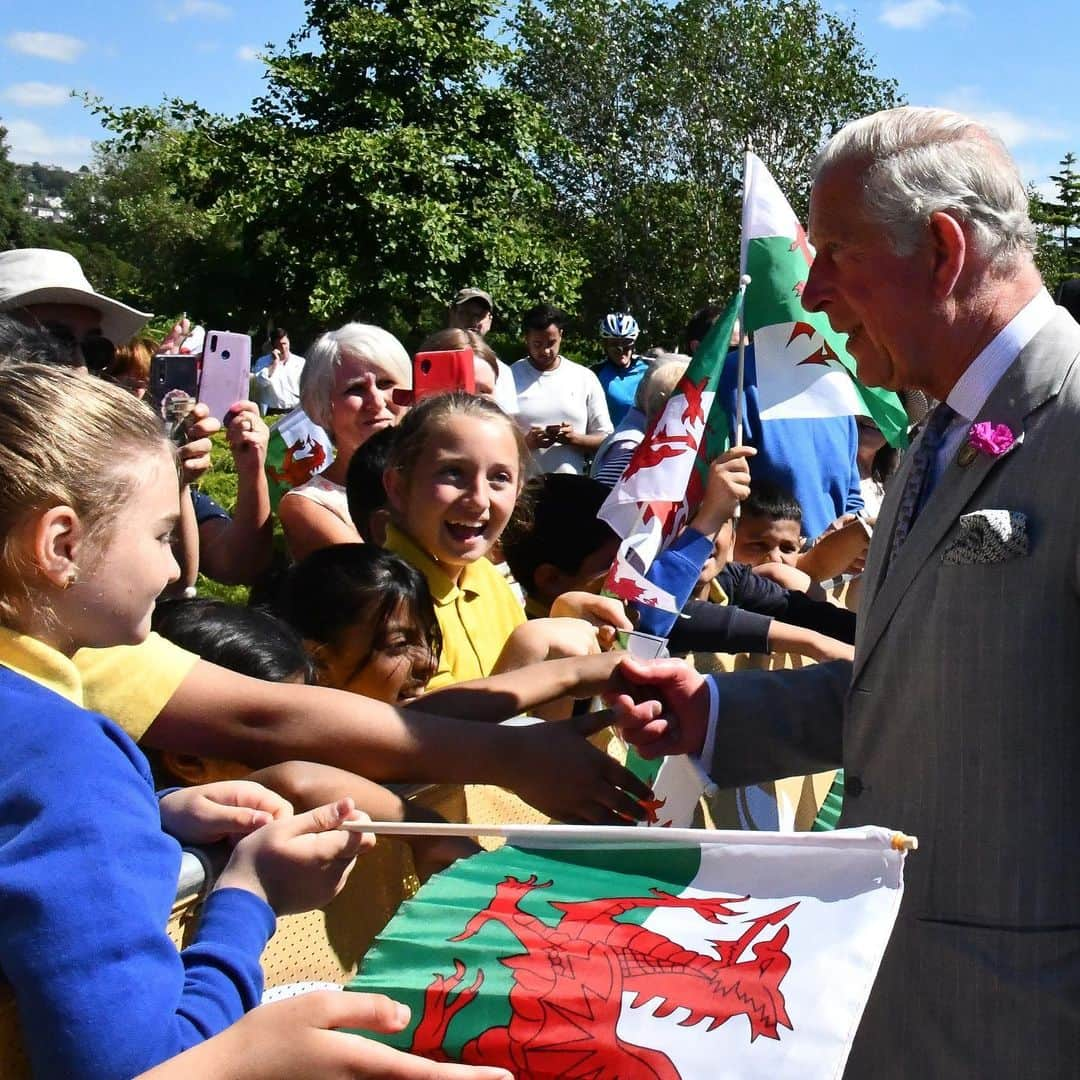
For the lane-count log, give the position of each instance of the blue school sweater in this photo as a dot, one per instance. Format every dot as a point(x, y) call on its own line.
point(87, 882)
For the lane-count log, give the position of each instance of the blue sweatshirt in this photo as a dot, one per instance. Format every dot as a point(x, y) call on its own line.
point(87, 883)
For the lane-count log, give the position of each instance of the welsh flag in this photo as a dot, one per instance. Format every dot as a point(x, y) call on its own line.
point(803, 368)
point(665, 479)
point(706, 955)
point(298, 449)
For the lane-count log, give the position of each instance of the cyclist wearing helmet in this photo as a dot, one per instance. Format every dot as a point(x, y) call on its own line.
point(622, 369)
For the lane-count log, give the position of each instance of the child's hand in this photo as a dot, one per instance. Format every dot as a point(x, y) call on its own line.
point(601, 611)
point(299, 1037)
point(727, 486)
point(298, 863)
point(212, 812)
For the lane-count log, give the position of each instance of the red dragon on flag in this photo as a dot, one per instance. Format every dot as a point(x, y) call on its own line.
point(569, 982)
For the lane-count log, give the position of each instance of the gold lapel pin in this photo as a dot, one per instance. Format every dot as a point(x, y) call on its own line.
point(967, 455)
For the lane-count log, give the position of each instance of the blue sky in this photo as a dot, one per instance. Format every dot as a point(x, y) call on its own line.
point(1011, 67)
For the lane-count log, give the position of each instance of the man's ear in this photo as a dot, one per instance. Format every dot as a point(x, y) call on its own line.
point(56, 541)
point(949, 252)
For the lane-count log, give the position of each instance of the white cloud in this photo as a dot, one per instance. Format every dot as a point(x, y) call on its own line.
point(1014, 129)
point(917, 14)
point(33, 95)
point(63, 48)
point(247, 53)
point(31, 142)
point(197, 9)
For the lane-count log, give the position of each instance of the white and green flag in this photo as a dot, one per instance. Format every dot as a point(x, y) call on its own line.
point(802, 366)
point(698, 956)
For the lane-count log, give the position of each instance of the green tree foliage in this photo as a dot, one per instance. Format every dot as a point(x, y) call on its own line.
point(651, 104)
point(17, 228)
point(145, 242)
point(1058, 222)
point(385, 167)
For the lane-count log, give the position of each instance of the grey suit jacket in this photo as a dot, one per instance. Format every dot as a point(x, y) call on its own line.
point(959, 722)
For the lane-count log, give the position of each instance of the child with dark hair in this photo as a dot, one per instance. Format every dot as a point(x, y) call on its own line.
point(367, 620)
point(245, 640)
point(261, 646)
point(769, 529)
point(364, 488)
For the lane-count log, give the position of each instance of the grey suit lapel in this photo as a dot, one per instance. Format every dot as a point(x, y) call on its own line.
point(1033, 379)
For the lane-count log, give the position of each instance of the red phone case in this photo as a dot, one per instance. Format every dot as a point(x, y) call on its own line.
point(438, 372)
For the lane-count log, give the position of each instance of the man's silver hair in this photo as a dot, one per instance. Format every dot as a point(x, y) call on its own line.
point(922, 161)
point(354, 340)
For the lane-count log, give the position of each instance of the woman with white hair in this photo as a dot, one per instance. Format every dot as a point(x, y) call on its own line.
point(347, 388)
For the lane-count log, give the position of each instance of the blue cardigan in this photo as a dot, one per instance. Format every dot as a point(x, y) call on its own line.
point(87, 882)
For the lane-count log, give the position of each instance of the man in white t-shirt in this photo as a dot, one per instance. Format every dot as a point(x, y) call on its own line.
point(277, 375)
point(561, 405)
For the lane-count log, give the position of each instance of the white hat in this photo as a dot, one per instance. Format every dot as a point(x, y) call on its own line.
point(42, 276)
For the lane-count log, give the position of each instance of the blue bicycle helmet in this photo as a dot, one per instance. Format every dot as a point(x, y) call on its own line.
point(618, 325)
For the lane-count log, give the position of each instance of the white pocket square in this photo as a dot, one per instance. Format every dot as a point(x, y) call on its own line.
point(988, 536)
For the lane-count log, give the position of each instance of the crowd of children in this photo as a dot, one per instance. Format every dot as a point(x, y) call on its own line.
point(439, 583)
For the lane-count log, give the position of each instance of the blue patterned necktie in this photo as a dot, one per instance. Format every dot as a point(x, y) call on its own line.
point(917, 488)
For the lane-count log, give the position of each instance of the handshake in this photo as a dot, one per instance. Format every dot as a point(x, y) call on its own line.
point(660, 706)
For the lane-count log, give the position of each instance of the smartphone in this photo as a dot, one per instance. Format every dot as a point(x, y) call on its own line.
point(173, 390)
point(438, 372)
point(226, 371)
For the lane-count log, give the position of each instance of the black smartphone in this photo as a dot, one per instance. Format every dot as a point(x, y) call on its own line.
point(173, 391)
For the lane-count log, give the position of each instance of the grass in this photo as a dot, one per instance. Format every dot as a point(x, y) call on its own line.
point(220, 484)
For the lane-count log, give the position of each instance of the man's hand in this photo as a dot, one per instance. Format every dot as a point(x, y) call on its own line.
point(565, 434)
point(661, 706)
point(538, 438)
point(212, 812)
point(728, 484)
point(248, 437)
point(299, 1038)
point(194, 454)
point(554, 768)
point(299, 863)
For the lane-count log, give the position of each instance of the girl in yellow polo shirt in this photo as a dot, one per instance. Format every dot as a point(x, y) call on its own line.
point(456, 470)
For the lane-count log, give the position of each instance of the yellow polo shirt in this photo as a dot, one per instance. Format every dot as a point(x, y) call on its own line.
point(476, 615)
point(130, 684)
point(42, 663)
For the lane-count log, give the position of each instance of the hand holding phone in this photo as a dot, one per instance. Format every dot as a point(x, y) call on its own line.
point(440, 371)
point(226, 369)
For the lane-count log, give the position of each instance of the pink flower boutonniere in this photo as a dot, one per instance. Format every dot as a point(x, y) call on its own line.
point(990, 438)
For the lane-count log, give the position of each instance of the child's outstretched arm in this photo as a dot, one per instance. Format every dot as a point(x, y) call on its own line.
point(215, 712)
point(498, 697)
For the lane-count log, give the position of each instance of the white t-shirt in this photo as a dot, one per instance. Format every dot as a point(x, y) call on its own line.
point(569, 393)
point(505, 393)
point(280, 390)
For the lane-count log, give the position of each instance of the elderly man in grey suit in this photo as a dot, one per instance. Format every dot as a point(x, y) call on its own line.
point(959, 719)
